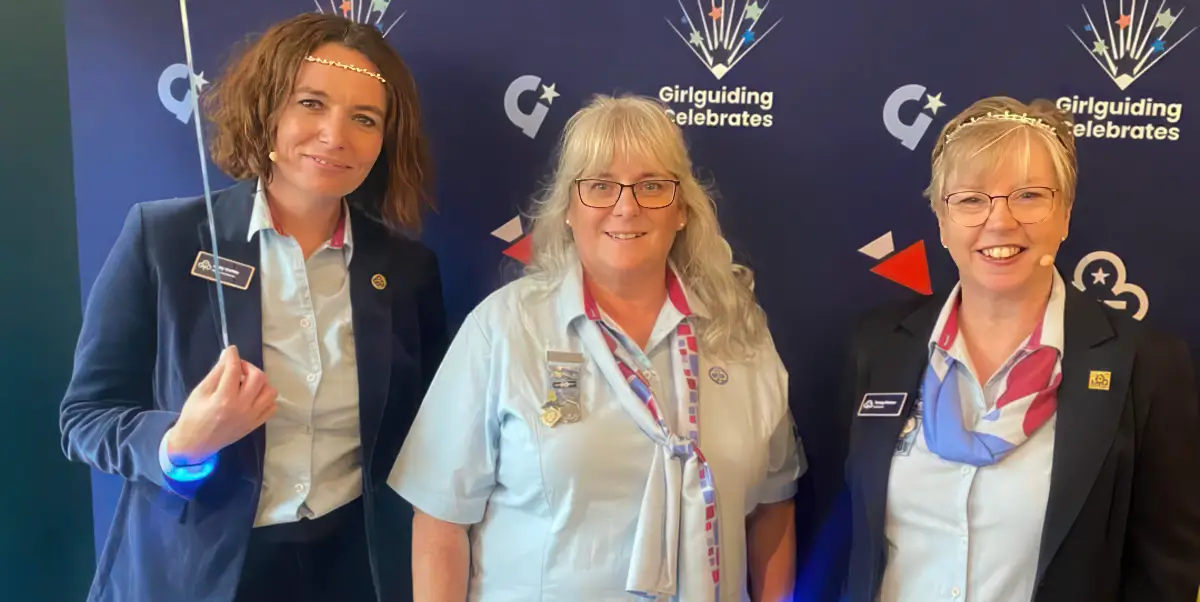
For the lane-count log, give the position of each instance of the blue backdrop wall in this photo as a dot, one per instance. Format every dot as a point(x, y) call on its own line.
point(814, 120)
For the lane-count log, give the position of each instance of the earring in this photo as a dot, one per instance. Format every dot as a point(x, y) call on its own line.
point(568, 222)
point(272, 156)
point(681, 226)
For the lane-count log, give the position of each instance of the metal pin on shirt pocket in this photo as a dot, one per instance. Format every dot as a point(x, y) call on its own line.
point(562, 403)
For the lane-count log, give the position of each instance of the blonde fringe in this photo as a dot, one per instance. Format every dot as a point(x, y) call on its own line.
point(639, 126)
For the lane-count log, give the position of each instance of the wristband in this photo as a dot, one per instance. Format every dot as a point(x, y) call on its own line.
point(186, 472)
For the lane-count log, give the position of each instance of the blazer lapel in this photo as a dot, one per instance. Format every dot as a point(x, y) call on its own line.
point(1087, 418)
point(371, 303)
point(243, 308)
point(895, 366)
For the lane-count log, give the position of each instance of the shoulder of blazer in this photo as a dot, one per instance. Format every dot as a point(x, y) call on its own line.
point(1150, 344)
point(174, 220)
point(915, 316)
point(1159, 357)
point(169, 229)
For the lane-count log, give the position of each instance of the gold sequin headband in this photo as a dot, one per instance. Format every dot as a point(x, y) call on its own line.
point(1005, 116)
point(313, 59)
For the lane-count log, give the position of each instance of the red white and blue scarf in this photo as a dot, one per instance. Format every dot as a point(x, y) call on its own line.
point(1028, 400)
point(633, 363)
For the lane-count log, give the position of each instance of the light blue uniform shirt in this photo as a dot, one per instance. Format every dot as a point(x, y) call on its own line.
point(555, 509)
point(964, 534)
point(313, 459)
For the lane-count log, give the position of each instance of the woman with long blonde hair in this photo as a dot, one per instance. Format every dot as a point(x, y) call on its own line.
point(615, 423)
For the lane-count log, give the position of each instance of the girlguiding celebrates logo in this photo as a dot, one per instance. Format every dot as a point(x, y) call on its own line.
point(720, 39)
point(1125, 46)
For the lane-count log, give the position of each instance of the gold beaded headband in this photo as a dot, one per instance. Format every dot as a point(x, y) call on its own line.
point(313, 59)
point(1005, 116)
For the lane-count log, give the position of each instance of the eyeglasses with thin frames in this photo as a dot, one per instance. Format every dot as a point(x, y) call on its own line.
point(1028, 205)
point(649, 194)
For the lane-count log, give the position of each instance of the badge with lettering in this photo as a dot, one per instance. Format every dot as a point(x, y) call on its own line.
point(882, 405)
point(562, 403)
point(233, 273)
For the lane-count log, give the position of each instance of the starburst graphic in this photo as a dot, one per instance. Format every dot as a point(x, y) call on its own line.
point(723, 32)
point(1137, 43)
point(368, 12)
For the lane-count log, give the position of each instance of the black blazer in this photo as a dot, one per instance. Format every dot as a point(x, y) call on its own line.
point(1123, 517)
point(151, 333)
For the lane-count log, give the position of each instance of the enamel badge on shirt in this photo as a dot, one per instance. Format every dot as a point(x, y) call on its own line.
point(562, 402)
point(882, 405)
point(233, 273)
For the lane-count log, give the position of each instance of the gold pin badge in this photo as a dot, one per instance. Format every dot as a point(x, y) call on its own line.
point(550, 416)
point(1099, 381)
point(379, 282)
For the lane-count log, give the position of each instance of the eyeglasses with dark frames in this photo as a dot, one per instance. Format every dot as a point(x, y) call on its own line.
point(649, 194)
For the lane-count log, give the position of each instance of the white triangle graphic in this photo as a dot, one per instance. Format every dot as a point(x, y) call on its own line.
point(879, 248)
point(510, 231)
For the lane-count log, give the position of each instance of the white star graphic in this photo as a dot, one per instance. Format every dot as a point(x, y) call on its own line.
point(200, 81)
point(1165, 19)
point(1100, 277)
point(548, 93)
point(935, 102)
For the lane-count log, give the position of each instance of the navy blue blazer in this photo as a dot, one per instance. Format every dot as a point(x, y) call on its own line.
point(1122, 521)
point(151, 332)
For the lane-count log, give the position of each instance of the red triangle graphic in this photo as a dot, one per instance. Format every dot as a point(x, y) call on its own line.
point(908, 268)
point(522, 250)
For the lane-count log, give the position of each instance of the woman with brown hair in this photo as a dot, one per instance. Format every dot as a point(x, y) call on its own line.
point(251, 469)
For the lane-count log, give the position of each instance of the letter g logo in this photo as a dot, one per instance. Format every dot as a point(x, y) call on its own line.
point(180, 107)
point(531, 122)
point(909, 134)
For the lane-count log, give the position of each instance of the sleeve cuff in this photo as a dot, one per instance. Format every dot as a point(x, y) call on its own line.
point(449, 509)
point(184, 474)
point(779, 493)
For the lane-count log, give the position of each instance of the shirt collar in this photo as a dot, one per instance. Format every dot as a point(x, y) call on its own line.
point(1048, 333)
point(570, 306)
point(261, 218)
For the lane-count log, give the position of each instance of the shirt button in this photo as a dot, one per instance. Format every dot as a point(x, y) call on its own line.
point(955, 592)
point(966, 470)
point(312, 378)
point(304, 322)
point(300, 489)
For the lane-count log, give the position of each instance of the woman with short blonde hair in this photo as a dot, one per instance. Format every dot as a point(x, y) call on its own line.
point(1013, 439)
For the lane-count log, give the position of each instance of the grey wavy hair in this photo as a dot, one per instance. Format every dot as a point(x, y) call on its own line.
point(637, 126)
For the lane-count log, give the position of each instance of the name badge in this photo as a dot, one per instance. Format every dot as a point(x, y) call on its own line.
point(233, 273)
point(882, 405)
point(562, 403)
